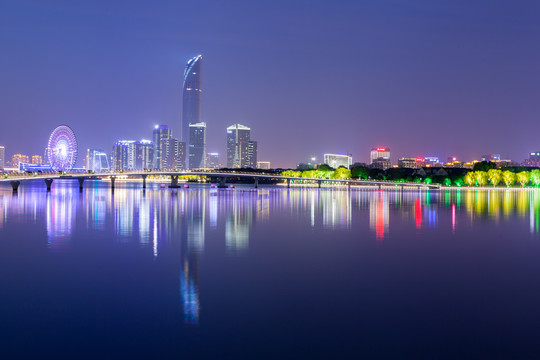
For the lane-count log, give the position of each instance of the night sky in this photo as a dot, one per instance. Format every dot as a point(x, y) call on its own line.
point(424, 77)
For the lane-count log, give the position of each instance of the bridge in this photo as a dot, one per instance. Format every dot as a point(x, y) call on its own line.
point(16, 179)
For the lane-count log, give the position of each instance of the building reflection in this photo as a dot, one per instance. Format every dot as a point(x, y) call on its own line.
point(379, 216)
point(61, 205)
point(238, 221)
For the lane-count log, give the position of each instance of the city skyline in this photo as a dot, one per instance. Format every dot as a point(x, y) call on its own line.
point(471, 78)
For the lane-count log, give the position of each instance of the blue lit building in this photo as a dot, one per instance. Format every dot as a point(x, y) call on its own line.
point(191, 97)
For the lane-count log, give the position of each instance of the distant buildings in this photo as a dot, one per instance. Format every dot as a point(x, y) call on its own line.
point(533, 160)
point(335, 160)
point(212, 161)
point(380, 158)
point(175, 154)
point(97, 161)
point(19, 158)
point(197, 145)
point(241, 151)
point(263, 165)
point(2, 158)
point(410, 163)
point(491, 157)
point(37, 160)
point(191, 97)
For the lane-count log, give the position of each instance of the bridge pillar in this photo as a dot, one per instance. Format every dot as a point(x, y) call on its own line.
point(222, 183)
point(81, 182)
point(256, 183)
point(144, 181)
point(15, 185)
point(48, 182)
point(288, 183)
point(380, 186)
point(319, 182)
point(174, 182)
point(348, 185)
point(113, 179)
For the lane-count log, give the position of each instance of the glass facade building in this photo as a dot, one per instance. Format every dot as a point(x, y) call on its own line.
point(238, 136)
point(97, 161)
point(191, 97)
point(161, 136)
point(197, 146)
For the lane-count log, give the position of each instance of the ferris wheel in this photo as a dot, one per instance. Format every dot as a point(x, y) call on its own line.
point(62, 148)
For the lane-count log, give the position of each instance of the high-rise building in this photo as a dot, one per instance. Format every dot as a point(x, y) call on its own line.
point(336, 160)
point(176, 155)
point(212, 161)
point(97, 161)
point(380, 158)
point(2, 158)
point(37, 160)
point(197, 145)
point(264, 165)
point(238, 137)
point(250, 159)
point(161, 136)
point(121, 155)
point(141, 155)
point(191, 96)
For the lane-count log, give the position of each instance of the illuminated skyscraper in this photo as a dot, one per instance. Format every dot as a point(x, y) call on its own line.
point(197, 145)
point(335, 160)
point(142, 155)
point(191, 96)
point(238, 137)
point(121, 155)
point(380, 158)
point(37, 160)
point(176, 156)
point(162, 134)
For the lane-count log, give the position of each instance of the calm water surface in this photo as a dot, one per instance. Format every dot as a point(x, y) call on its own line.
point(268, 273)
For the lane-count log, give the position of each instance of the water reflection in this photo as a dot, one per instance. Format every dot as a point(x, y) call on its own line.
point(176, 223)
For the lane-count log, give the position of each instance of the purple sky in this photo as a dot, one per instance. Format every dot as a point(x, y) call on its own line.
point(422, 77)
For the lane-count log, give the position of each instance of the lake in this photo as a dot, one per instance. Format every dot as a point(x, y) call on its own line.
point(268, 273)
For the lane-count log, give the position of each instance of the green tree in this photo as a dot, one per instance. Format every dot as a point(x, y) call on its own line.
point(325, 172)
point(469, 178)
point(359, 172)
point(428, 180)
point(341, 173)
point(310, 174)
point(481, 177)
point(509, 178)
point(522, 177)
point(458, 182)
point(494, 176)
point(447, 182)
point(535, 177)
point(484, 166)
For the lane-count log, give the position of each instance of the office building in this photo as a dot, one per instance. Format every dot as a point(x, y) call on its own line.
point(191, 97)
point(410, 163)
point(263, 165)
point(2, 158)
point(161, 136)
point(238, 137)
point(380, 158)
point(141, 155)
point(212, 161)
point(97, 161)
point(336, 161)
point(121, 155)
point(37, 160)
point(197, 146)
point(250, 160)
point(19, 158)
point(176, 154)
